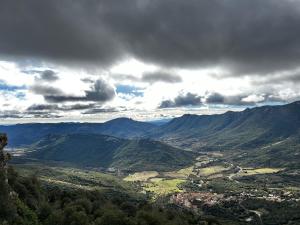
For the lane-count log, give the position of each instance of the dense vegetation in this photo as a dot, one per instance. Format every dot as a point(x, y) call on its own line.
point(270, 135)
point(248, 129)
point(105, 151)
point(25, 202)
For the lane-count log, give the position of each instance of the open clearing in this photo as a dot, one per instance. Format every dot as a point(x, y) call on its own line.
point(207, 171)
point(141, 176)
point(183, 173)
point(253, 171)
point(163, 186)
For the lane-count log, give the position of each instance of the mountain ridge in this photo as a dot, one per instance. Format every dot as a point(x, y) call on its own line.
point(259, 126)
point(103, 151)
point(27, 134)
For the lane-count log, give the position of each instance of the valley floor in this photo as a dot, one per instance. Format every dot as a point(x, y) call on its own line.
point(214, 187)
point(225, 190)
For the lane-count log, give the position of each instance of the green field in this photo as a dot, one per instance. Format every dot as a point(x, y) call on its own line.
point(141, 176)
point(183, 173)
point(256, 171)
point(163, 186)
point(207, 171)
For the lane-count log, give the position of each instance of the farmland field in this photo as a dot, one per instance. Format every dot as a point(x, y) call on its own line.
point(164, 186)
point(141, 176)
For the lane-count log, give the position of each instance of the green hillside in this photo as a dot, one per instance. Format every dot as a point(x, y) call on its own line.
point(145, 154)
point(101, 151)
point(248, 129)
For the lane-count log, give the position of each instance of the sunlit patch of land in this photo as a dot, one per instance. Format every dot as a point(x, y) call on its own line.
point(182, 173)
point(156, 179)
point(164, 186)
point(161, 184)
point(66, 184)
point(207, 171)
point(141, 176)
point(257, 171)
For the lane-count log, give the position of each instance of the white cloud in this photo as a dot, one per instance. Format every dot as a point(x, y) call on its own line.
point(143, 106)
point(253, 98)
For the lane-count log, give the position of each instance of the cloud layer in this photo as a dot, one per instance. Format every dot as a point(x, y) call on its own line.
point(250, 36)
point(100, 92)
point(48, 76)
point(181, 100)
point(77, 58)
point(160, 76)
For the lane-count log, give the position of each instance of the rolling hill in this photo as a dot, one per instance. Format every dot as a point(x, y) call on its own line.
point(93, 150)
point(125, 128)
point(26, 134)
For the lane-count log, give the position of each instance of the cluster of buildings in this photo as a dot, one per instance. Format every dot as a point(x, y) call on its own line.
point(194, 200)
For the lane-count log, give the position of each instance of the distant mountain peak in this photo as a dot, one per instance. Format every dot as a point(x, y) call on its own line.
point(295, 103)
point(189, 115)
point(122, 118)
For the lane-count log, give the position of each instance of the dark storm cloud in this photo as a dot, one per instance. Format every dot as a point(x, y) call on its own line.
point(245, 36)
point(10, 114)
point(48, 75)
point(181, 100)
point(61, 30)
point(278, 79)
point(77, 107)
point(99, 110)
point(50, 110)
point(55, 107)
point(45, 90)
point(160, 76)
point(47, 116)
point(150, 77)
point(166, 104)
point(100, 92)
point(13, 114)
point(239, 100)
point(217, 98)
point(125, 77)
point(41, 107)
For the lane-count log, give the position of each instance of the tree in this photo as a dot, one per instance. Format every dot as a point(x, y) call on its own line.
point(7, 208)
point(4, 157)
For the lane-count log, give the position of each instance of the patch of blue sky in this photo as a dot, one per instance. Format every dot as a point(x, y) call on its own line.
point(128, 89)
point(10, 88)
point(20, 95)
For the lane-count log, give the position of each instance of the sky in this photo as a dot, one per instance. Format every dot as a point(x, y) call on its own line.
point(92, 61)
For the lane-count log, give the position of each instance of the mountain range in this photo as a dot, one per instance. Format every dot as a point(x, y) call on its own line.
point(248, 129)
point(267, 135)
point(26, 134)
